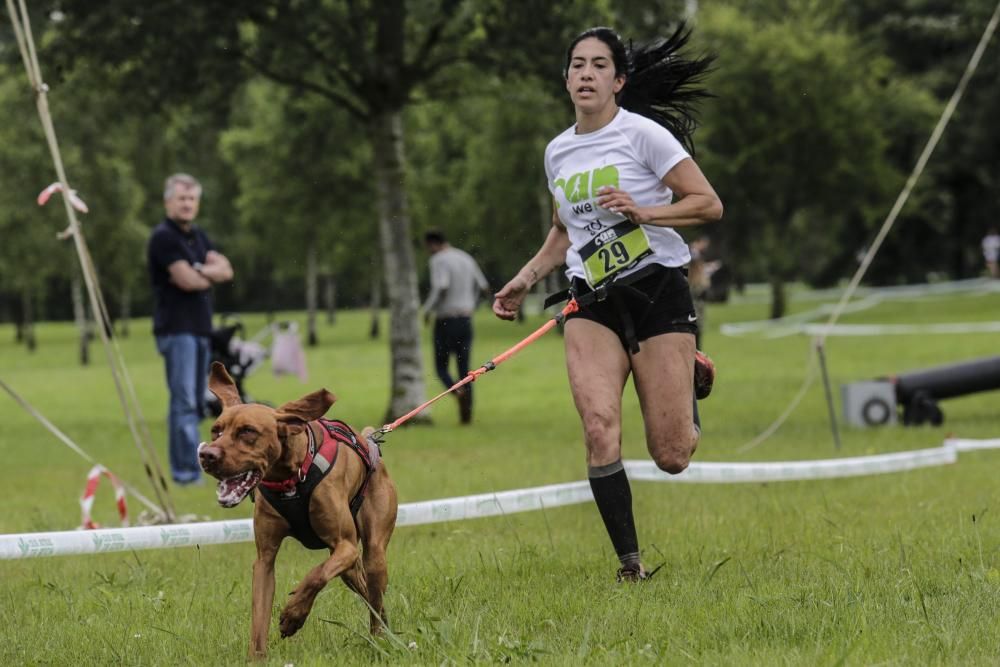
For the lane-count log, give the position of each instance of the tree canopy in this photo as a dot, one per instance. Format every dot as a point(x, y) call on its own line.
point(818, 113)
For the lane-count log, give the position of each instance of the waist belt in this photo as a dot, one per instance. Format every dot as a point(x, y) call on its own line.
point(612, 291)
point(290, 498)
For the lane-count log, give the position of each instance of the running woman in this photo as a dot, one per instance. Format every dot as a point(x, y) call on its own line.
point(622, 180)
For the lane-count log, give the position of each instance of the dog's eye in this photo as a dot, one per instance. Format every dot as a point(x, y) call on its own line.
point(247, 432)
point(216, 432)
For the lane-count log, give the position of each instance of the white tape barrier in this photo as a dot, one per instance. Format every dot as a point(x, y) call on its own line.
point(787, 471)
point(493, 504)
point(965, 445)
point(798, 323)
point(790, 324)
point(761, 293)
point(783, 329)
point(30, 545)
point(899, 329)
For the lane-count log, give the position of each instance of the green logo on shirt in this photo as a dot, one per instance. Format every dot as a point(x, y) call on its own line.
point(584, 186)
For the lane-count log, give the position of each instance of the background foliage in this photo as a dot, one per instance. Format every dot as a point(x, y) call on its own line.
point(819, 112)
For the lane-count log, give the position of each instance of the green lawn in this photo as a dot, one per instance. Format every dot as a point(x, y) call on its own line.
point(893, 569)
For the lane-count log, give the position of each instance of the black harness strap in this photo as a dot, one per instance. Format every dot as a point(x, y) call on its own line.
point(342, 432)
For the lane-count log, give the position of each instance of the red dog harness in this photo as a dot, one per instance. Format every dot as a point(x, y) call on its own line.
point(290, 497)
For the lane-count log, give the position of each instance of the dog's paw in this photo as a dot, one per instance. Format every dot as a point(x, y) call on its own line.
point(290, 623)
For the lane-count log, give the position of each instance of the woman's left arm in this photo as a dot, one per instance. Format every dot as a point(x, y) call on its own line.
point(695, 200)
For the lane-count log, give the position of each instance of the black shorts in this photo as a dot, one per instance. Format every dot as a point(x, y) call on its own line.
point(658, 303)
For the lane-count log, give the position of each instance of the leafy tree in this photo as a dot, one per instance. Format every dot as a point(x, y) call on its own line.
point(29, 234)
point(478, 163)
point(932, 41)
point(366, 57)
point(318, 217)
point(99, 169)
point(479, 167)
point(794, 145)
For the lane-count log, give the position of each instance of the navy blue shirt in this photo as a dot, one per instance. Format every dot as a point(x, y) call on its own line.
point(178, 311)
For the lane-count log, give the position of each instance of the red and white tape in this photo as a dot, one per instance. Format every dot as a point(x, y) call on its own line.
point(87, 500)
point(74, 199)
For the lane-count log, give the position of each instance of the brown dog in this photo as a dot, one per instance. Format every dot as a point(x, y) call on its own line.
point(283, 453)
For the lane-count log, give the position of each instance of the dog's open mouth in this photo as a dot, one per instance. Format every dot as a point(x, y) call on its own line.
point(233, 490)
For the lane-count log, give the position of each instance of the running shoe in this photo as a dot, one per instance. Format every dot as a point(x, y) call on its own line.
point(704, 375)
point(631, 574)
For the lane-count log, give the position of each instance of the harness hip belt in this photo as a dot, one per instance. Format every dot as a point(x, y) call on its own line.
point(612, 290)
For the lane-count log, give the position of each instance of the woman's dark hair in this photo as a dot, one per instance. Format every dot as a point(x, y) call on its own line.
point(660, 83)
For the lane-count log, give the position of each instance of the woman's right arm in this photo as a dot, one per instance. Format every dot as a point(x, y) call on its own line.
point(549, 257)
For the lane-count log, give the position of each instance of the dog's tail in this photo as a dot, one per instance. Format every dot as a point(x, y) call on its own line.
point(374, 451)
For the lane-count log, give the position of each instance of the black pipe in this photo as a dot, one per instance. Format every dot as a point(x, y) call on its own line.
point(948, 381)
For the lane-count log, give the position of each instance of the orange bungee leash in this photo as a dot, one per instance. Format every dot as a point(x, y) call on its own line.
point(570, 307)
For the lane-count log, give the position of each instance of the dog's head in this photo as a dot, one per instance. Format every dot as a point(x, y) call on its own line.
point(249, 438)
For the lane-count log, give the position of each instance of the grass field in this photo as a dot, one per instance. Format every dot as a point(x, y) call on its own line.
point(894, 569)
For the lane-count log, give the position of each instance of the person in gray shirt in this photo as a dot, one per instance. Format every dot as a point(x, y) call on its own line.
point(457, 283)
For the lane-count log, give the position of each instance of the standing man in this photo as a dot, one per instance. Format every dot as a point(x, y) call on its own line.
point(700, 279)
point(183, 266)
point(456, 284)
point(991, 252)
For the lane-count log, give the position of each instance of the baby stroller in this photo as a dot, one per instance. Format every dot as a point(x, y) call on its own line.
point(240, 357)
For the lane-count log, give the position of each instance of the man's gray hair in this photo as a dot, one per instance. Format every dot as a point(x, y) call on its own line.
point(187, 180)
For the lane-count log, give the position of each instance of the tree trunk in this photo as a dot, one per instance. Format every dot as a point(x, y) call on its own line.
point(312, 278)
point(125, 309)
point(330, 297)
point(408, 387)
point(777, 297)
point(374, 303)
point(80, 317)
point(550, 283)
point(27, 320)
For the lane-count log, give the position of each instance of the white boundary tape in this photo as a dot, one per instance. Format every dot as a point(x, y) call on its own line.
point(898, 329)
point(788, 471)
point(761, 292)
point(965, 445)
point(29, 545)
point(62, 543)
point(799, 322)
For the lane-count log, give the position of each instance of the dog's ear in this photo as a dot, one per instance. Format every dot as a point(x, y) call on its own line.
point(292, 416)
point(221, 384)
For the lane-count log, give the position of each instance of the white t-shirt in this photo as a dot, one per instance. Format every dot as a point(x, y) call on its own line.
point(456, 281)
point(631, 153)
point(991, 247)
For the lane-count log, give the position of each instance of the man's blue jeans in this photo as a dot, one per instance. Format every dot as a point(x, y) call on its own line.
point(186, 357)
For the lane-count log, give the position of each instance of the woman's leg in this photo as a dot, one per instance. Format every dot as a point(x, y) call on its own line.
point(663, 370)
point(598, 367)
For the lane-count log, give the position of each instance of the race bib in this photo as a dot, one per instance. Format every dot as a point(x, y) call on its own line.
point(614, 250)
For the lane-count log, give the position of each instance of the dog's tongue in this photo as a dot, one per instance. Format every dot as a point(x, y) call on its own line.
point(233, 490)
